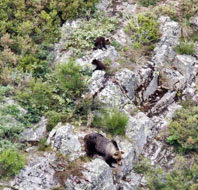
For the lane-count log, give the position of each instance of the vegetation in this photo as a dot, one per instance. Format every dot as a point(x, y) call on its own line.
point(183, 175)
point(11, 162)
point(28, 30)
point(184, 129)
point(82, 38)
point(113, 121)
point(143, 30)
point(187, 48)
point(188, 8)
point(147, 3)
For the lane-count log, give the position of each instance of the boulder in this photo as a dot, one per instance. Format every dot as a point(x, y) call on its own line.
point(128, 80)
point(65, 141)
point(113, 96)
point(36, 133)
point(194, 22)
point(37, 174)
point(171, 33)
point(186, 64)
point(138, 129)
point(97, 175)
point(171, 79)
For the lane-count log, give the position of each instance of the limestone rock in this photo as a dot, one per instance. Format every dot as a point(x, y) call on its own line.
point(171, 79)
point(138, 129)
point(64, 140)
point(113, 96)
point(128, 80)
point(97, 175)
point(36, 133)
point(171, 33)
point(37, 175)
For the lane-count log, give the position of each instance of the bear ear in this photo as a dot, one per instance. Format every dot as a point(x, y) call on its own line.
point(122, 152)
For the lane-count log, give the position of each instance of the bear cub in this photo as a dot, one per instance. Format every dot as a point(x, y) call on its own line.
point(99, 65)
point(96, 143)
point(101, 42)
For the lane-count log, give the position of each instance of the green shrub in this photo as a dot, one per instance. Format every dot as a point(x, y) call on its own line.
point(70, 78)
point(113, 121)
point(184, 129)
point(187, 48)
point(188, 8)
point(82, 38)
point(182, 176)
point(11, 162)
point(146, 3)
point(143, 30)
point(167, 10)
point(53, 119)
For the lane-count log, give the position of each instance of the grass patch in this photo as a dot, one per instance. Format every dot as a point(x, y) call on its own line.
point(113, 121)
point(184, 129)
point(11, 162)
point(187, 48)
point(143, 30)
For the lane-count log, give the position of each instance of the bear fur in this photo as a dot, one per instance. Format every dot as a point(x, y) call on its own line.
point(99, 65)
point(96, 143)
point(101, 43)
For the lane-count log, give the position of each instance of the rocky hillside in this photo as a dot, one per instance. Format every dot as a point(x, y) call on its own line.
point(145, 99)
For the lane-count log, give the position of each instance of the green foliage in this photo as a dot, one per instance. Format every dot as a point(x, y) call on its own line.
point(11, 162)
point(113, 121)
point(183, 176)
point(42, 144)
point(188, 8)
point(167, 10)
point(70, 78)
point(37, 97)
point(143, 30)
point(83, 37)
point(146, 3)
point(12, 122)
point(187, 48)
point(53, 119)
point(184, 129)
point(28, 30)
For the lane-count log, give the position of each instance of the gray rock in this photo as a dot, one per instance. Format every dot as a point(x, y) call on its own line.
point(37, 175)
point(96, 82)
point(138, 129)
point(185, 64)
point(96, 176)
point(36, 133)
point(194, 22)
point(164, 102)
point(164, 51)
point(64, 140)
point(171, 79)
point(152, 87)
point(113, 96)
point(103, 4)
point(128, 80)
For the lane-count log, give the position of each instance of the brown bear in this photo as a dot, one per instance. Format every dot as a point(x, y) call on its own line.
point(98, 144)
point(99, 65)
point(101, 42)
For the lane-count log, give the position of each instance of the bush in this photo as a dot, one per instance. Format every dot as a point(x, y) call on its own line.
point(146, 3)
point(70, 78)
point(167, 10)
point(114, 121)
point(187, 48)
point(82, 38)
point(183, 176)
point(188, 8)
point(184, 129)
point(11, 162)
point(53, 119)
point(143, 30)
